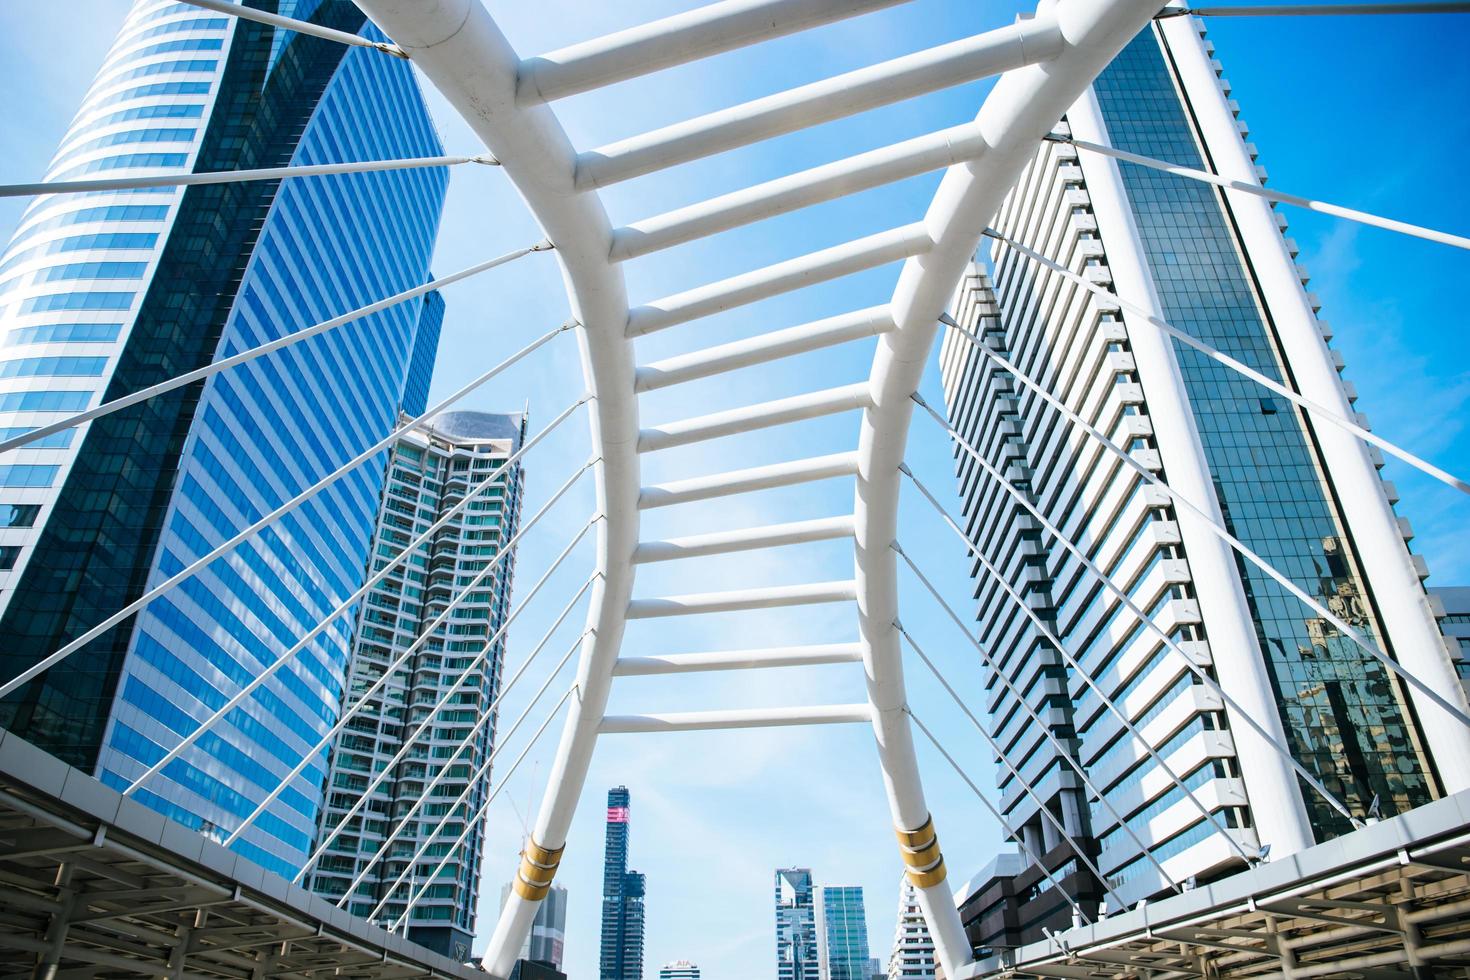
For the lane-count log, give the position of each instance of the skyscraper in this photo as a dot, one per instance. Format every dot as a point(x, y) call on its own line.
point(622, 897)
point(1299, 492)
point(546, 941)
point(1455, 600)
point(797, 955)
point(912, 956)
point(679, 970)
point(842, 933)
point(106, 293)
point(438, 699)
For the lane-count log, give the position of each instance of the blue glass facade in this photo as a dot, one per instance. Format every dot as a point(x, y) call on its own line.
point(1343, 714)
point(844, 932)
point(149, 491)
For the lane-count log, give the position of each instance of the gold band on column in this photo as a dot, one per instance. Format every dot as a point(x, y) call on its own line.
point(920, 851)
point(538, 868)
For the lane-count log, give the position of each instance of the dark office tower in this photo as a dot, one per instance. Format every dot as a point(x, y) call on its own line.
point(1302, 494)
point(106, 293)
point(622, 897)
point(797, 954)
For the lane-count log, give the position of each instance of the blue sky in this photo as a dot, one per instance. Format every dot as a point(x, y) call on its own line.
point(1361, 111)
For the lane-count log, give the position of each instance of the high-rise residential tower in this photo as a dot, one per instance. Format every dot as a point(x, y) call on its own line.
point(797, 953)
point(439, 698)
point(1301, 493)
point(912, 955)
point(546, 942)
point(109, 292)
point(679, 970)
point(622, 897)
point(842, 933)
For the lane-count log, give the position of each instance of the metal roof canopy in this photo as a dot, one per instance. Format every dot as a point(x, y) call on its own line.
point(93, 884)
point(1389, 900)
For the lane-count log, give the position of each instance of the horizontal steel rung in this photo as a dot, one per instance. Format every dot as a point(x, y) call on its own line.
point(748, 480)
point(739, 600)
point(989, 53)
point(766, 347)
point(763, 416)
point(693, 721)
point(675, 40)
point(783, 277)
point(685, 663)
point(744, 539)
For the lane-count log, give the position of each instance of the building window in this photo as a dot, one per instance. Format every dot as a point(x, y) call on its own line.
point(24, 475)
point(18, 515)
point(9, 554)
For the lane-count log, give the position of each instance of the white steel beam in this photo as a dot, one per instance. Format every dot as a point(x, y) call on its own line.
point(231, 176)
point(695, 721)
point(783, 277)
point(1326, 9)
point(464, 54)
point(685, 663)
point(766, 347)
point(675, 40)
point(763, 416)
point(748, 480)
point(1022, 43)
point(1022, 108)
point(800, 190)
point(745, 539)
point(737, 600)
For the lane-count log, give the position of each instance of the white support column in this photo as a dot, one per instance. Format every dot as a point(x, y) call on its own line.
point(1271, 786)
point(1392, 579)
point(462, 51)
point(1021, 109)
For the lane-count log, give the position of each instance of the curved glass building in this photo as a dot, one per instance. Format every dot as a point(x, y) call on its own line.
point(103, 294)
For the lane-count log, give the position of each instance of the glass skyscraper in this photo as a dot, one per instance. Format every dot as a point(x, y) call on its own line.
point(623, 894)
point(842, 933)
point(1304, 498)
point(439, 700)
point(102, 294)
point(797, 953)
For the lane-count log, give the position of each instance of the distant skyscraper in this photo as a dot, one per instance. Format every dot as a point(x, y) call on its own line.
point(456, 670)
point(679, 970)
point(842, 933)
point(797, 955)
point(1300, 492)
point(546, 942)
point(106, 293)
point(622, 897)
point(912, 956)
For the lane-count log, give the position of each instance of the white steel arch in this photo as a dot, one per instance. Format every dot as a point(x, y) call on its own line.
point(1048, 61)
